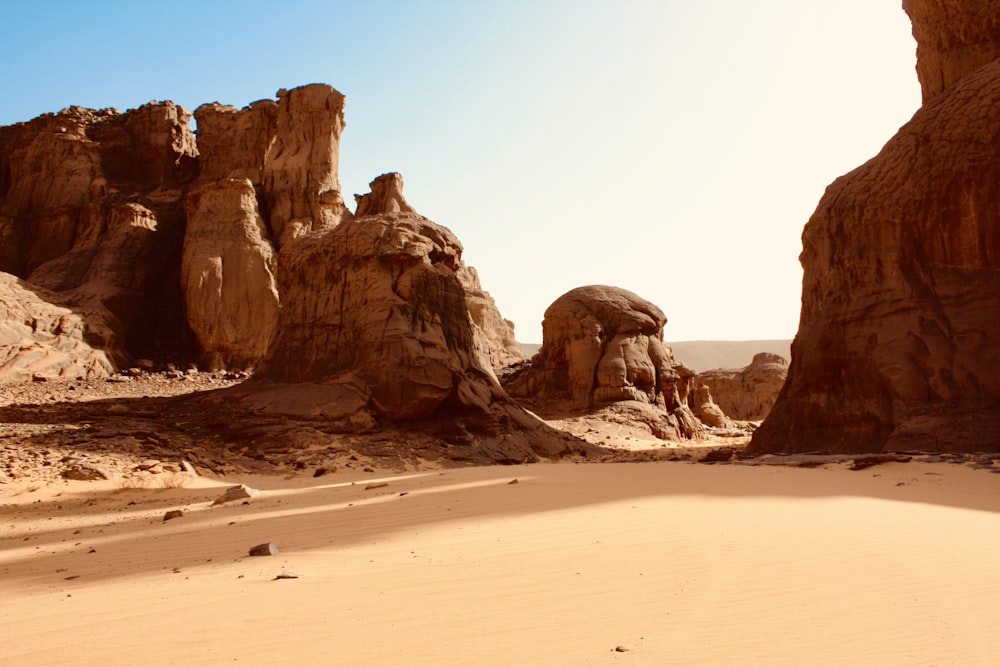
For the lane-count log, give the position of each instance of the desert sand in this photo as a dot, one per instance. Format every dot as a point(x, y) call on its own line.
point(657, 563)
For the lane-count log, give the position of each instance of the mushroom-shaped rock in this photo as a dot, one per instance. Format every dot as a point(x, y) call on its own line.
point(602, 345)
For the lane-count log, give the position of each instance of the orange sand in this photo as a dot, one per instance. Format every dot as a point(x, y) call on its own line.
point(677, 563)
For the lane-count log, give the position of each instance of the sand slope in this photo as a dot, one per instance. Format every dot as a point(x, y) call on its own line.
point(679, 563)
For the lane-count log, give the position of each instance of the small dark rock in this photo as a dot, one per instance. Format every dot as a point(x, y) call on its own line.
point(863, 462)
point(173, 514)
point(266, 549)
point(236, 493)
point(718, 455)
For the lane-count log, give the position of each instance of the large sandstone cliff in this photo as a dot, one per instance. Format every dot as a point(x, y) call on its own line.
point(899, 340)
point(91, 207)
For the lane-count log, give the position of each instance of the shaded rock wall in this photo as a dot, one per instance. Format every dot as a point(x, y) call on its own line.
point(899, 340)
point(91, 206)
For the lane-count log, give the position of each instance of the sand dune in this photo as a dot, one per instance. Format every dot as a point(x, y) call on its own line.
point(675, 563)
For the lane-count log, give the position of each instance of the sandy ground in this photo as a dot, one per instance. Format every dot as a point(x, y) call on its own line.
point(666, 563)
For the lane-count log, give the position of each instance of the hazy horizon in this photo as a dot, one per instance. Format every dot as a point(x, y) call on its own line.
point(672, 149)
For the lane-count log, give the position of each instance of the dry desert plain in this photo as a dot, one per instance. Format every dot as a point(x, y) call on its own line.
point(577, 563)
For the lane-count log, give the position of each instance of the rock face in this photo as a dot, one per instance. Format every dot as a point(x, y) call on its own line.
point(91, 207)
point(228, 274)
point(899, 340)
point(602, 345)
point(749, 393)
point(269, 161)
point(302, 165)
point(954, 38)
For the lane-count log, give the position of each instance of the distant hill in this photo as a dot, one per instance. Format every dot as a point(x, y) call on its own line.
point(705, 355)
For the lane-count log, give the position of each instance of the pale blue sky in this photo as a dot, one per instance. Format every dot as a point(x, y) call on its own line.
point(675, 149)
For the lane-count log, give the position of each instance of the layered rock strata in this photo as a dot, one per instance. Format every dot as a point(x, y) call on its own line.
point(899, 340)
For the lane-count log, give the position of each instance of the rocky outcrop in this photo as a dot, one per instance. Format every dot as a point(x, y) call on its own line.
point(954, 39)
point(178, 240)
point(375, 329)
point(493, 335)
point(234, 143)
point(899, 340)
point(707, 410)
point(301, 168)
point(749, 393)
point(377, 304)
point(41, 338)
point(602, 345)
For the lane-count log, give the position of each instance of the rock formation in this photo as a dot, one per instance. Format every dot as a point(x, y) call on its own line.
point(302, 166)
point(603, 345)
point(899, 339)
point(749, 393)
point(177, 238)
point(274, 162)
point(375, 326)
point(91, 207)
point(377, 304)
point(228, 274)
point(706, 409)
point(954, 38)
